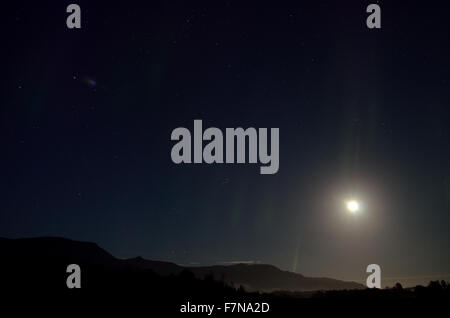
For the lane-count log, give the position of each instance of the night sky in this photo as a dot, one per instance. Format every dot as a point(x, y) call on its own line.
point(363, 113)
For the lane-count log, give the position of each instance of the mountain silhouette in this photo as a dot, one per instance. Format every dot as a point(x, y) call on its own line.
point(53, 254)
point(262, 277)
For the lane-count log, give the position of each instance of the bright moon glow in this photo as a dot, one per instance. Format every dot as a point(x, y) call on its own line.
point(352, 206)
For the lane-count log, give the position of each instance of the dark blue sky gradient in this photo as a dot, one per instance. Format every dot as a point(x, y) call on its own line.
point(87, 116)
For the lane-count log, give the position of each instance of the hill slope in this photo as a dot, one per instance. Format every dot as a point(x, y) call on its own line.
point(54, 253)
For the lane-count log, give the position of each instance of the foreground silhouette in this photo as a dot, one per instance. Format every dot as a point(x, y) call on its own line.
point(33, 272)
point(54, 254)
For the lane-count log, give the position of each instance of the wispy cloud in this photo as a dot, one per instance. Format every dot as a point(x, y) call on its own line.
point(237, 262)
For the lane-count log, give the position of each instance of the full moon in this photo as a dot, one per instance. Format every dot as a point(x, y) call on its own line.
point(353, 206)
